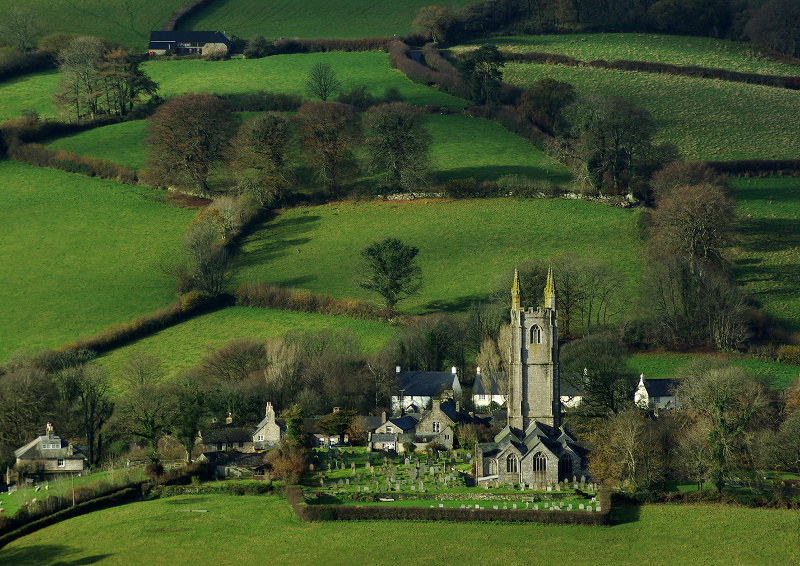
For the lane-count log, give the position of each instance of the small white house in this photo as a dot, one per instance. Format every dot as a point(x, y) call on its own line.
point(416, 389)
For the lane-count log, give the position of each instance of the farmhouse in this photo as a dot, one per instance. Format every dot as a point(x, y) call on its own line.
point(533, 448)
point(656, 393)
point(48, 455)
point(188, 42)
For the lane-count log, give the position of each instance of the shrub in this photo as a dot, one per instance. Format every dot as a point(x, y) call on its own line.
point(359, 97)
point(285, 45)
point(258, 294)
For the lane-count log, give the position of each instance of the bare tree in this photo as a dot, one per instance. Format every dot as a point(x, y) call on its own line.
point(20, 27)
point(322, 82)
point(81, 89)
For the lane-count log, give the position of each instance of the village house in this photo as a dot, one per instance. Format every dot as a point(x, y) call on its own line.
point(656, 393)
point(488, 389)
point(47, 456)
point(188, 42)
point(267, 433)
point(416, 389)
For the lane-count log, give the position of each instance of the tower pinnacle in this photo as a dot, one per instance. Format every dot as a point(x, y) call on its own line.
point(550, 291)
point(515, 300)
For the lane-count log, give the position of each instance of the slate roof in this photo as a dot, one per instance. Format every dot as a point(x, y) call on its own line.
point(168, 39)
point(406, 422)
point(33, 450)
point(488, 384)
point(373, 422)
point(554, 439)
point(265, 420)
point(424, 383)
point(240, 459)
point(226, 435)
point(661, 387)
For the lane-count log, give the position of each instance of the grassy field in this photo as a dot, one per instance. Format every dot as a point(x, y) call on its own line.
point(167, 531)
point(183, 345)
point(464, 245)
point(287, 73)
point(766, 260)
point(671, 49)
point(28, 92)
point(310, 18)
point(707, 119)
point(79, 254)
point(120, 143)
point(667, 365)
point(126, 21)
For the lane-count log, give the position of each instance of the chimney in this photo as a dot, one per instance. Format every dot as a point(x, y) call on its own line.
point(454, 370)
point(397, 369)
point(458, 406)
point(478, 370)
point(270, 412)
point(50, 431)
point(229, 419)
point(383, 417)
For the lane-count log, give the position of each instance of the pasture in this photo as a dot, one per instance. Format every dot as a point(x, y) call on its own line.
point(310, 18)
point(766, 260)
point(465, 245)
point(287, 73)
point(184, 345)
point(79, 254)
point(126, 21)
point(661, 365)
point(29, 92)
point(707, 119)
point(119, 143)
point(656, 48)
point(169, 530)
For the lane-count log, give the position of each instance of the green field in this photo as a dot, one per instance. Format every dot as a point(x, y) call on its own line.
point(668, 365)
point(464, 245)
point(79, 254)
point(126, 21)
point(310, 18)
point(767, 260)
point(287, 73)
point(707, 119)
point(120, 143)
point(184, 345)
point(671, 49)
point(28, 92)
point(166, 531)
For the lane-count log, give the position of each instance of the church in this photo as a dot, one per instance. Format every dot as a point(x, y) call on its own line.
point(533, 449)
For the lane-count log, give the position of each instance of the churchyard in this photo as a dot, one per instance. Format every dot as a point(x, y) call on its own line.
point(354, 476)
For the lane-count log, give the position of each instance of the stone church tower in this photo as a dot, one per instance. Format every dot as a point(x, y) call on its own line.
point(534, 379)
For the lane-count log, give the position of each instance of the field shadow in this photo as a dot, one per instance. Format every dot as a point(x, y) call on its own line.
point(625, 513)
point(272, 239)
point(770, 234)
point(458, 304)
point(53, 554)
point(492, 172)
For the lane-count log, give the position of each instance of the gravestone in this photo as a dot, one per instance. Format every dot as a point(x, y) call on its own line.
point(597, 509)
point(441, 505)
point(535, 506)
point(462, 506)
point(407, 461)
point(581, 506)
point(494, 506)
point(514, 506)
point(413, 488)
point(569, 507)
point(347, 481)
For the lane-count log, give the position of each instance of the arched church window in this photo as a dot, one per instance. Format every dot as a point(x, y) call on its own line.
point(565, 467)
point(511, 463)
point(536, 334)
point(539, 462)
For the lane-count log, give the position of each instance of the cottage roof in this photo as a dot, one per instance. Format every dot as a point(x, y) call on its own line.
point(168, 39)
point(373, 422)
point(661, 387)
point(407, 422)
point(266, 420)
point(241, 459)
point(47, 447)
point(226, 435)
point(426, 383)
point(488, 384)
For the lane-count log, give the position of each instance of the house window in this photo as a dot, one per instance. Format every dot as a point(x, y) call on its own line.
point(482, 397)
point(437, 426)
point(536, 334)
point(60, 462)
point(447, 437)
point(260, 437)
point(539, 462)
point(511, 463)
point(389, 429)
point(656, 400)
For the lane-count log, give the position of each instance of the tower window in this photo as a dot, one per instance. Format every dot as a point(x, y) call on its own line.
point(536, 334)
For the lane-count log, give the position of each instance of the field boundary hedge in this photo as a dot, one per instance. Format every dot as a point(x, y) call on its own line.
point(41, 156)
point(778, 81)
point(306, 512)
point(399, 58)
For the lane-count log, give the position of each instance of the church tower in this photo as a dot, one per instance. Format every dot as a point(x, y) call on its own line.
point(534, 378)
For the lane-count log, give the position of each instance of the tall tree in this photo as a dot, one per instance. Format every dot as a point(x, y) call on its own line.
point(322, 81)
point(259, 155)
point(123, 81)
point(389, 268)
point(20, 27)
point(543, 102)
point(482, 70)
point(186, 135)
point(398, 144)
point(776, 25)
point(80, 88)
point(328, 132)
point(435, 22)
point(728, 400)
point(92, 401)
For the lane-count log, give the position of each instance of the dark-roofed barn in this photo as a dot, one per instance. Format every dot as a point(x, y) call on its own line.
point(188, 42)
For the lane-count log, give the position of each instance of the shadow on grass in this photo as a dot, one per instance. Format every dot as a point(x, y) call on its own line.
point(458, 304)
point(56, 555)
point(623, 513)
point(275, 238)
point(556, 173)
